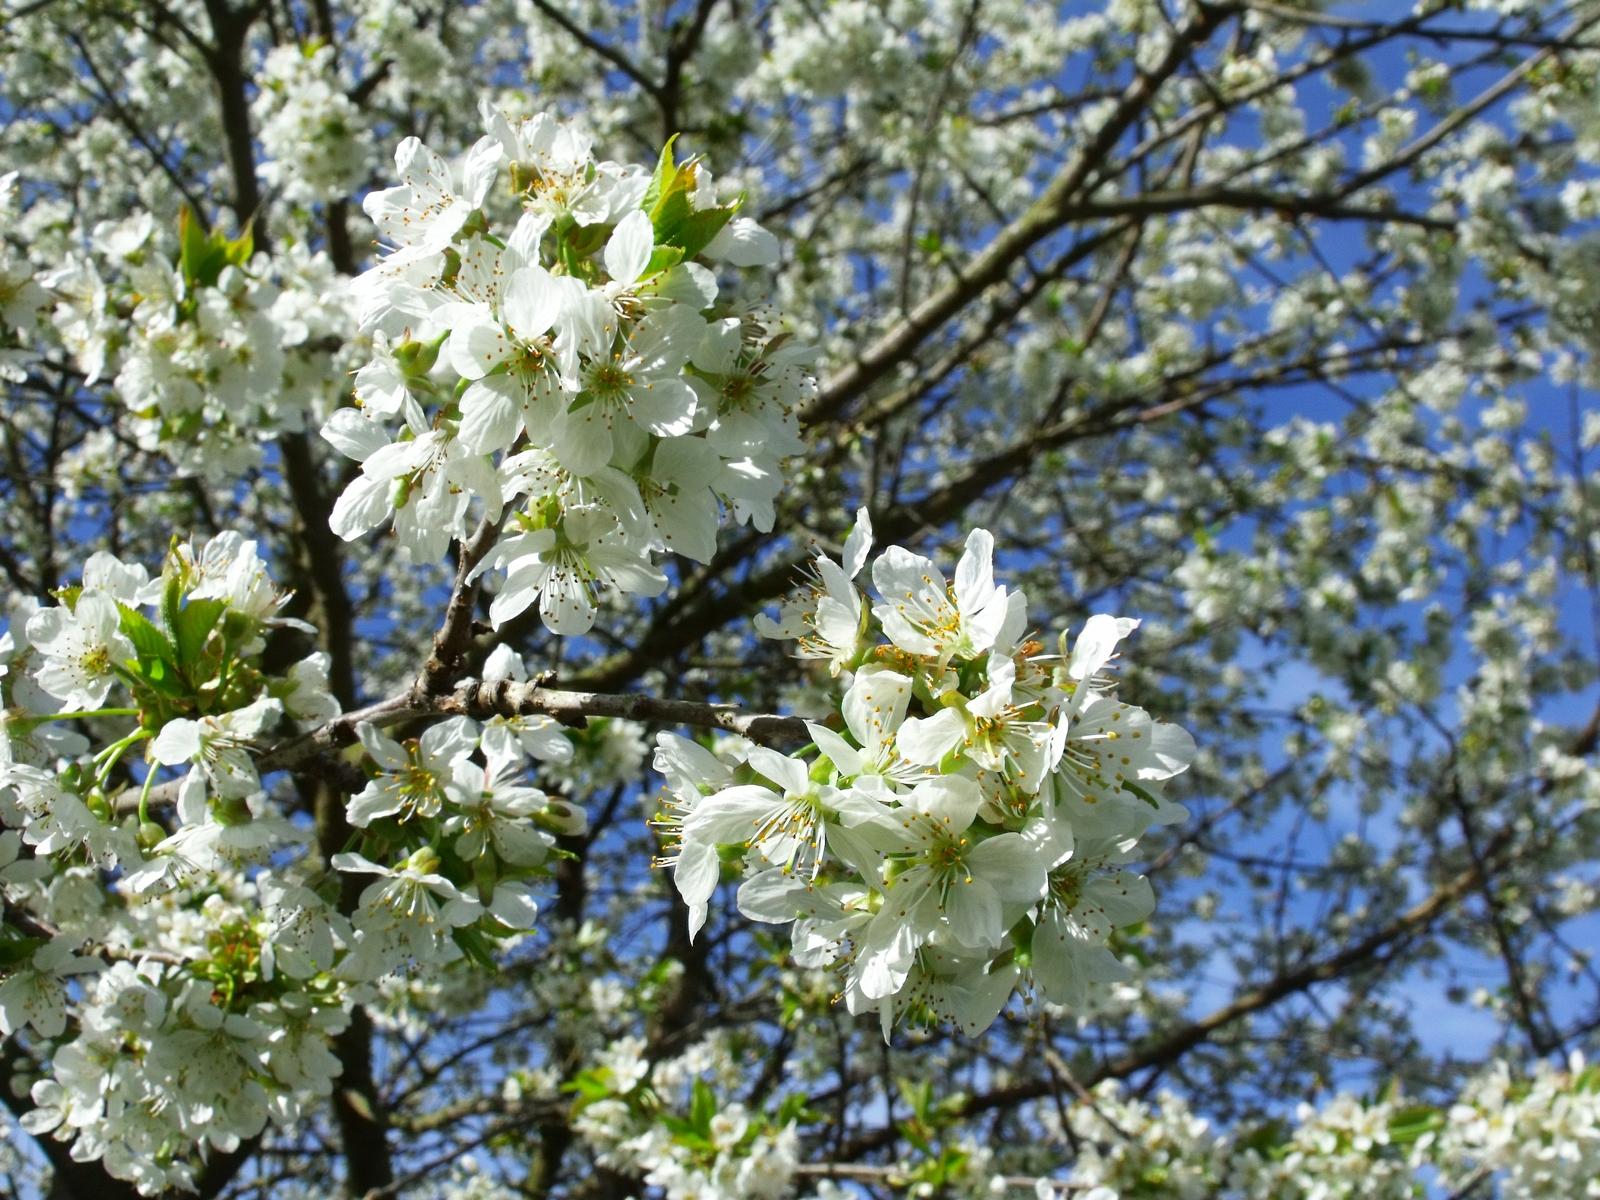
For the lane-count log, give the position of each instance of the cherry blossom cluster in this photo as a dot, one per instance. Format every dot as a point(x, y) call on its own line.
point(138, 717)
point(130, 689)
point(452, 840)
point(664, 1121)
point(211, 347)
point(183, 686)
point(559, 361)
point(310, 130)
point(964, 819)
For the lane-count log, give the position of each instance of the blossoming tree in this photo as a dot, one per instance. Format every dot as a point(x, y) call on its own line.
point(818, 599)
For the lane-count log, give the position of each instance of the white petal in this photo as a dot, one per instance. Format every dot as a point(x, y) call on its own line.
point(858, 545)
point(629, 248)
point(926, 740)
point(491, 414)
point(532, 303)
point(1096, 643)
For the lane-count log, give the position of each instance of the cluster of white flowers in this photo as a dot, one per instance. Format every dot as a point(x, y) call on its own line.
point(570, 370)
point(196, 997)
point(310, 130)
point(228, 961)
point(965, 818)
point(209, 349)
point(1539, 1134)
point(664, 1122)
point(465, 836)
point(1534, 1135)
point(20, 296)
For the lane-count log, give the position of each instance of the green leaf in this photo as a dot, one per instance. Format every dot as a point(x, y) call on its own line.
point(694, 231)
point(666, 171)
point(475, 946)
point(793, 1108)
point(589, 1085)
point(195, 622)
point(1266, 1138)
point(241, 249)
point(194, 246)
point(663, 258)
point(702, 1107)
point(1410, 1124)
point(147, 640)
point(202, 254)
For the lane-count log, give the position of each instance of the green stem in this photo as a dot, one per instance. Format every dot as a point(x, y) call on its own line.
point(144, 796)
point(115, 751)
point(88, 712)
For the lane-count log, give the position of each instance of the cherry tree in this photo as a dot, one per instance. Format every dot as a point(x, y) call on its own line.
point(806, 599)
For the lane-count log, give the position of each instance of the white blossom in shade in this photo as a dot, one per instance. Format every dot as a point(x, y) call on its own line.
point(406, 915)
point(529, 735)
point(744, 243)
point(219, 746)
point(826, 916)
point(230, 568)
point(950, 879)
point(873, 707)
point(1113, 762)
point(826, 617)
point(35, 993)
point(56, 820)
point(81, 649)
point(126, 583)
point(564, 568)
point(795, 826)
point(296, 1031)
point(943, 986)
point(675, 488)
point(513, 905)
point(308, 697)
point(297, 934)
point(752, 389)
point(1082, 906)
point(491, 812)
point(692, 773)
point(15, 869)
point(424, 481)
point(209, 839)
point(992, 730)
point(415, 778)
point(208, 1067)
